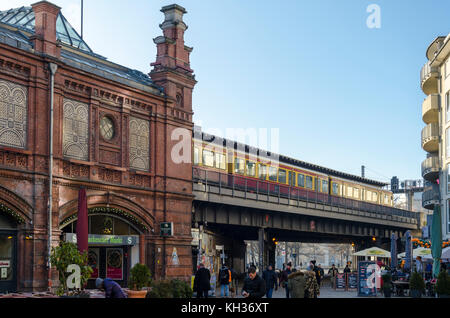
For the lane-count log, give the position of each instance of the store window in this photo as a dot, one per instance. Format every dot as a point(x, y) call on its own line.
point(6, 257)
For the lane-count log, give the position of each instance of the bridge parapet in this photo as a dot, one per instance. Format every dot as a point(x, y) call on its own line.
point(262, 194)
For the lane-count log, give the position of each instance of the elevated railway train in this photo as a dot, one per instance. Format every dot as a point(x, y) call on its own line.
point(238, 166)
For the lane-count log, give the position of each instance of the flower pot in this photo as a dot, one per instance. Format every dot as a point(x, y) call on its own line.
point(137, 293)
point(414, 293)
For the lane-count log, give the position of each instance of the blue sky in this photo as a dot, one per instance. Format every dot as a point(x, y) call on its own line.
point(342, 95)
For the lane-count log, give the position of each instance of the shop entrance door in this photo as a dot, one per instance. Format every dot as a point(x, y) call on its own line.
point(8, 275)
point(109, 262)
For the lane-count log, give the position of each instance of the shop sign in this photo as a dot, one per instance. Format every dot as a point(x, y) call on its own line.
point(105, 239)
point(5, 264)
point(195, 237)
point(166, 229)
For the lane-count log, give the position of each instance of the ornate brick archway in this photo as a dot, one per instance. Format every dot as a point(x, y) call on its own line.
point(110, 204)
point(15, 206)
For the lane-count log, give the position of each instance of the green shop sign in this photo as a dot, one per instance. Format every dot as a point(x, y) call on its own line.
point(105, 239)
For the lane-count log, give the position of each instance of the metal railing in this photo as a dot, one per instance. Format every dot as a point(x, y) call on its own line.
point(430, 131)
point(430, 165)
point(263, 190)
point(427, 71)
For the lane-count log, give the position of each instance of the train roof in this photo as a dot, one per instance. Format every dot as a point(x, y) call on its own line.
point(220, 141)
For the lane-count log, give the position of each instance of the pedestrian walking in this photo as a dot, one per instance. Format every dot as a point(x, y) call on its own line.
point(224, 281)
point(312, 289)
point(297, 284)
point(321, 275)
point(202, 282)
point(111, 288)
point(284, 278)
point(254, 286)
point(270, 277)
point(333, 271)
point(316, 270)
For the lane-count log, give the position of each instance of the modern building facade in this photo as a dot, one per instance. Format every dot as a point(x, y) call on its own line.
point(69, 118)
point(435, 83)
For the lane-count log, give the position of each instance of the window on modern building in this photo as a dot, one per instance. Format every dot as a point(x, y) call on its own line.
point(220, 161)
point(196, 156)
point(292, 178)
point(282, 176)
point(262, 172)
point(309, 182)
point(239, 166)
point(273, 174)
point(335, 188)
point(208, 158)
point(448, 179)
point(251, 169)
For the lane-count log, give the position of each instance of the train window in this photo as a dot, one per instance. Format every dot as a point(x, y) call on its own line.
point(324, 186)
point(282, 176)
point(368, 195)
point(335, 188)
point(262, 171)
point(273, 173)
point(349, 191)
point(251, 169)
point(292, 178)
point(309, 182)
point(208, 158)
point(356, 193)
point(375, 197)
point(301, 180)
point(386, 199)
point(196, 156)
point(220, 161)
point(239, 166)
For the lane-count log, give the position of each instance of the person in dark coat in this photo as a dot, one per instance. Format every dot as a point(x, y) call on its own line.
point(111, 288)
point(270, 277)
point(254, 286)
point(202, 281)
point(284, 278)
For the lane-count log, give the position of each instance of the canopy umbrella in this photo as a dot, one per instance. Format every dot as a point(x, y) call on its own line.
point(420, 251)
point(408, 251)
point(82, 222)
point(373, 251)
point(444, 255)
point(436, 239)
point(393, 250)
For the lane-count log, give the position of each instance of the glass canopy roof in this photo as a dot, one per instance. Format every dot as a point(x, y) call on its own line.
point(23, 18)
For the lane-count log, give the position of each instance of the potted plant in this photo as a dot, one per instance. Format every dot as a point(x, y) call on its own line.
point(443, 285)
point(161, 289)
point(140, 277)
point(61, 258)
point(387, 286)
point(181, 289)
point(416, 285)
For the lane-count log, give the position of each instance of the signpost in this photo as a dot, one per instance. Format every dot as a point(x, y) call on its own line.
point(352, 281)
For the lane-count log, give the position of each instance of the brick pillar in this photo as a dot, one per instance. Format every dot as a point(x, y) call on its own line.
point(44, 40)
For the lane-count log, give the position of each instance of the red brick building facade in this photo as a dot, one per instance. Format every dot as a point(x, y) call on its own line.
point(113, 134)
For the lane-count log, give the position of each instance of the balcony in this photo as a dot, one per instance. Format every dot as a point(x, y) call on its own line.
point(430, 109)
point(430, 196)
point(430, 138)
point(429, 79)
point(430, 168)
